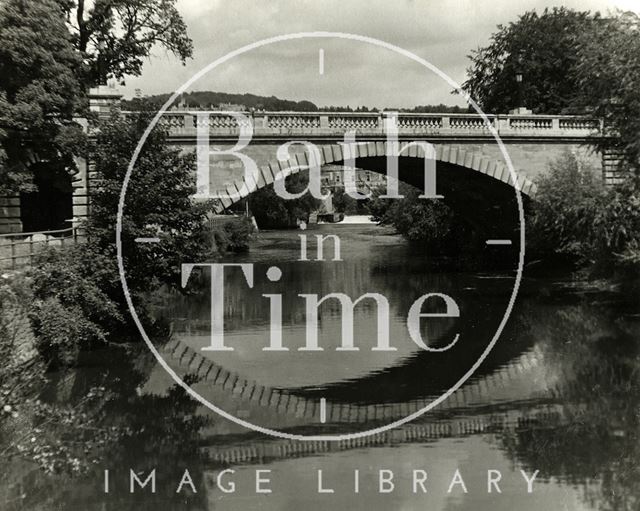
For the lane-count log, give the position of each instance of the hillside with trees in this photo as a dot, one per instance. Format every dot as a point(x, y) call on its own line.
point(211, 99)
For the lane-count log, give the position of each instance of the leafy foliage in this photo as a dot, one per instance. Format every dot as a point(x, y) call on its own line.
point(75, 307)
point(608, 80)
point(44, 77)
point(571, 61)
point(618, 229)
point(39, 91)
point(115, 36)
point(576, 217)
point(204, 99)
point(545, 49)
point(568, 201)
point(344, 203)
point(429, 109)
point(158, 203)
point(421, 221)
point(581, 62)
point(56, 437)
point(233, 235)
point(78, 302)
point(273, 212)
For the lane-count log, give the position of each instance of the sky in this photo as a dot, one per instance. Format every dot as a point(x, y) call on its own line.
point(443, 32)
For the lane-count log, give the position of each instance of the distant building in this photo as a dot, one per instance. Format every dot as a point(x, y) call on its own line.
point(231, 107)
point(333, 177)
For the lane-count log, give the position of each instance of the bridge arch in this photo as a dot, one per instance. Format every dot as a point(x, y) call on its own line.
point(446, 155)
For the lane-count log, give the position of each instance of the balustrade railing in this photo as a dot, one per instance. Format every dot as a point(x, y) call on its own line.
point(294, 121)
point(186, 123)
point(573, 123)
point(354, 122)
point(531, 123)
point(416, 122)
point(464, 123)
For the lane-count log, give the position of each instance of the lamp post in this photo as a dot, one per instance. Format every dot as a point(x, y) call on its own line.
point(519, 86)
point(102, 75)
point(519, 107)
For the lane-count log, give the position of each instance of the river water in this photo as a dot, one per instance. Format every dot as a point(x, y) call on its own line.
point(558, 393)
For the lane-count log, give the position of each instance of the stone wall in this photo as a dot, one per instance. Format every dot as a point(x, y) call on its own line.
point(10, 215)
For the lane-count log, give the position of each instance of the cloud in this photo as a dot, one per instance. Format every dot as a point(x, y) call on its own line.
point(442, 32)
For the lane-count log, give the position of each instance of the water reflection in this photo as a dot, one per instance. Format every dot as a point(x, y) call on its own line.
point(367, 376)
point(560, 395)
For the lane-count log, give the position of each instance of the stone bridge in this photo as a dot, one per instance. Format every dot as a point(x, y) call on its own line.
point(464, 143)
point(468, 156)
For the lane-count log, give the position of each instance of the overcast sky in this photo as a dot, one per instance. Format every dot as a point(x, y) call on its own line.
point(440, 31)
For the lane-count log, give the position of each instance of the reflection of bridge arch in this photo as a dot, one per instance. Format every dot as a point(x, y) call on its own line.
point(537, 415)
point(298, 410)
point(476, 408)
point(333, 154)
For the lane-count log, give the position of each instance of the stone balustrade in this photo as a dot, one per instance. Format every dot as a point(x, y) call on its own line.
point(185, 123)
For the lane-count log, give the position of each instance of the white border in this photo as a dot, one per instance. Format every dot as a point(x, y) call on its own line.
point(319, 35)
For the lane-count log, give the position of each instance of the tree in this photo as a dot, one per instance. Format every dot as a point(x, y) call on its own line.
point(76, 301)
point(43, 79)
point(158, 202)
point(545, 48)
point(344, 203)
point(39, 91)
point(204, 100)
point(608, 79)
point(115, 36)
point(273, 212)
point(424, 222)
point(233, 235)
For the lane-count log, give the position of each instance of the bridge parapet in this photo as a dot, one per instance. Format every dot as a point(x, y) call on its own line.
point(183, 124)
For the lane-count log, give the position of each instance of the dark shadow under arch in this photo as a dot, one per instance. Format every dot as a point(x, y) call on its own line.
point(50, 205)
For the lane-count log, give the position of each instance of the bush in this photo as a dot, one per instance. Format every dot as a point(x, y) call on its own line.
point(62, 331)
point(82, 277)
point(273, 212)
point(617, 227)
point(20, 372)
point(77, 302)
point(568, 201)
point(344, 203)
point(426, 222)
point(234, 235)
point(576, 218)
